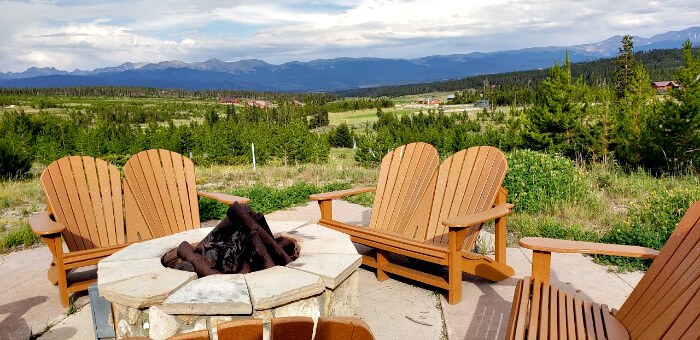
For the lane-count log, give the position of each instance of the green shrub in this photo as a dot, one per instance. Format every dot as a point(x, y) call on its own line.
point(529, 225)
point(16, 237)
point(649, 223)
point(15, 161)
point(537, 181)
point(265, 199)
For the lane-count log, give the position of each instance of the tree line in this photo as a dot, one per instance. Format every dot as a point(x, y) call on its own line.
point(520, 86)
point(622, 121)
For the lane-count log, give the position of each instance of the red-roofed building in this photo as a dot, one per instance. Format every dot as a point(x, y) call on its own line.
point(258, 103)
point(229, 101)
point(429, 101)
point(663, 86)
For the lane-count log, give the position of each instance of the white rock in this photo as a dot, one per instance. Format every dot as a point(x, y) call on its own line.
point(147, 289)
point(310, 307)
point(162, 325)
point(332, 268)
point(278, 227)
point(111, 272)
point(191, 236)
point(344, 299)
point(138, 251)
point(276, 286)
point(315, 239)
point(211, 295)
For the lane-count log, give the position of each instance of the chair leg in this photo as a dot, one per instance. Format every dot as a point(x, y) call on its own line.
point(52, 275)
point(454, 295)
point(454, 265)
point(382, 261)
point(56, 247)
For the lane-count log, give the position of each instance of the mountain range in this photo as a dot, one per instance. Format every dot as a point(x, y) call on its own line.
point(331, 74)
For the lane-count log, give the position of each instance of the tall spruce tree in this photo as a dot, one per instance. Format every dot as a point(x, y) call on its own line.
point(674, 140)
point(635, 110)
point(625, 63)
point(560, 118)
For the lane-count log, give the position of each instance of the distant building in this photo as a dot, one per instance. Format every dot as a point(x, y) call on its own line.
point(483, 103)
point(663, 86)
point(258, 103)
point(297, 103)
point(229, 101)
point(450, 97)
point(429, 101)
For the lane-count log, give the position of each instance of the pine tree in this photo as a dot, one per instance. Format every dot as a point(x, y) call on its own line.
point(675, 136)
point(633, 117)
point(625, 63)
point(559, 120)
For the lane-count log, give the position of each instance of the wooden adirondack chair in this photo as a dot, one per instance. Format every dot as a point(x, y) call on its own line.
point(161, 194)
point(433, 214)
point(84, 209)
point(297, 328)
point(665, 304)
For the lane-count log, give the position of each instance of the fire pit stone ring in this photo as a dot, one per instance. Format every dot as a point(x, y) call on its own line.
point(149, 299)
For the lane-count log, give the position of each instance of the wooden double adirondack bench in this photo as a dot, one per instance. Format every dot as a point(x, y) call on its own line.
point(432, 212)
point(95, 213)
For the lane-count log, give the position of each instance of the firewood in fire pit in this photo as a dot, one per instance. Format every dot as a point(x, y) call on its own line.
point(186, 252)
point(242, 242)
point(186, 266)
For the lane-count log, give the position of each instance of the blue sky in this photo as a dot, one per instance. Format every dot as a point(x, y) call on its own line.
point(88, 34)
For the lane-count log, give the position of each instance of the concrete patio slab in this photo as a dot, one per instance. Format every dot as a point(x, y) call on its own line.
point(394, 309)
point(78, 326)
point(28, 301)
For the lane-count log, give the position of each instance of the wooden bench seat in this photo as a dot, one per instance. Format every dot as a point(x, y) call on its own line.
point(550, 313)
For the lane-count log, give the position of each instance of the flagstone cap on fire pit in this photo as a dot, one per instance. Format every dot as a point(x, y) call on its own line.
point(136, 277)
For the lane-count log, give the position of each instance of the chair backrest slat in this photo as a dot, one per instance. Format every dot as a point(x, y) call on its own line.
point(164, 189)
point(404, 178)
point(467, 183)
point(135, 179)
point(669, 289)
point(84, 194)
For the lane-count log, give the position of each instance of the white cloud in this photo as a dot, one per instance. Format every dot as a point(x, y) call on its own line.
point(107, 33)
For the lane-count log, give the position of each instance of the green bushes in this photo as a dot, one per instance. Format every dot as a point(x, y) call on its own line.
point(650, 223)
point(537, 181)
point(16, 237)
point(44, 137)
point(15, 161)
point(267, 199)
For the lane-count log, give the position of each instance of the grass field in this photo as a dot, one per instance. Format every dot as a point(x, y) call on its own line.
point(359, 117)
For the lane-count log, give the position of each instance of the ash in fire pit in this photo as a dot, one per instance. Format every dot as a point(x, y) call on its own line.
point(241, 243)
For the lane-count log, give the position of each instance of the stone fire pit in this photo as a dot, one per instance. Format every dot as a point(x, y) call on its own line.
point(149, 299)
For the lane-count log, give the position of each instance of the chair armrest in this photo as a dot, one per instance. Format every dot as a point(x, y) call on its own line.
point(481, 217)
point(223, 198)
point(43, 225)
point(340, 193)
point(549, 245)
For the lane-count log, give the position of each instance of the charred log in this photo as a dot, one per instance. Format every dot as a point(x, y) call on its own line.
point(241, 243)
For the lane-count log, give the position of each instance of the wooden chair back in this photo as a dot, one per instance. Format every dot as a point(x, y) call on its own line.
point(666, 301)
point(296, 328)
point(406, 181)
point(85, 195)
point(161, 194)
point(467, 183)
